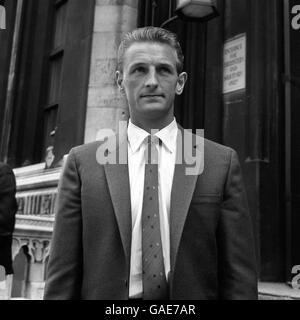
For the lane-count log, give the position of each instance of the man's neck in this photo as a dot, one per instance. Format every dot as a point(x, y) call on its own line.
point(149, 125)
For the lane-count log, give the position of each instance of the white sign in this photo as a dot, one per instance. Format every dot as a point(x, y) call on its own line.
point(234, 77)
point(2, 18)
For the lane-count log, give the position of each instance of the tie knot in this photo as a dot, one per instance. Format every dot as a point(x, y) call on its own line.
point(151, 151)
point(153, 139)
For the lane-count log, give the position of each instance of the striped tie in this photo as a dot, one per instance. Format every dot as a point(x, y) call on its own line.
point(154, 279)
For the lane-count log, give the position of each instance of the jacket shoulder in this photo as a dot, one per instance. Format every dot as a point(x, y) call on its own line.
point(217, 147)
point(88, 154)
point(5, 168)
point(86, 148)
point(85, 154)
point(216, 153)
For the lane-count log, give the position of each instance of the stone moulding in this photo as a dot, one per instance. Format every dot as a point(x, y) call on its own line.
point(32, 224)
point(38, 202)
point(36, 197)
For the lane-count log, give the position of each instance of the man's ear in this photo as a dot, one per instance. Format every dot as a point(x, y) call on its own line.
point(119, 80)
point(182, 78)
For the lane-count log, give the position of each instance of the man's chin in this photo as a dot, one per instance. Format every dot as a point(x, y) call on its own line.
point(154, 111)
point(157, 115)
point(154, 107)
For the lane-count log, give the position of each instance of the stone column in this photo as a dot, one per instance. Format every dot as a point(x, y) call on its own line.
point(105, 106)
point(39, 251)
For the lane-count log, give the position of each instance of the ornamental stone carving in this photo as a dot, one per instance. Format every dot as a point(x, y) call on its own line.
point(37, 203)
point(39, 250)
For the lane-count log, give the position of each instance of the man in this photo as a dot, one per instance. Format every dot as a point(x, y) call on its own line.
point(143, 229)
point(8, 208)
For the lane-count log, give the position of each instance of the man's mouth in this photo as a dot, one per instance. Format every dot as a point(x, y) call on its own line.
point(152, 96)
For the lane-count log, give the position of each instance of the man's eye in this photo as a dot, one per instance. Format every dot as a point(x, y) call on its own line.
point(139, 70)
point(164, 70)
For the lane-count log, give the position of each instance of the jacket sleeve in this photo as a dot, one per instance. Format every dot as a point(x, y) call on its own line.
point(8, 205)
point(8, 209)
point(236, 257)
point(64, 270)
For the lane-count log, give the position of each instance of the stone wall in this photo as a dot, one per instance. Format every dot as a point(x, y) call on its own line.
point(105, 106)
point(37, 185)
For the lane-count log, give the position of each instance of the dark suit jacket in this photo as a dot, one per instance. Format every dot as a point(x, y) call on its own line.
point(8, 208)
point(211, 238)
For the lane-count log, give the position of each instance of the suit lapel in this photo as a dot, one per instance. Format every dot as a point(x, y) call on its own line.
point(118, 183)
point(182, 191)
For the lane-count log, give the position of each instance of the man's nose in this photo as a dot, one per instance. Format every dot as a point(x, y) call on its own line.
point(151, 80)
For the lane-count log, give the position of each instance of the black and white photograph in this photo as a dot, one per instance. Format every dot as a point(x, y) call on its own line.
point(149, 151)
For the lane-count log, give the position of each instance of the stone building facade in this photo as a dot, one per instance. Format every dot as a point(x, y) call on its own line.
point(37, 184)
point(57, 90)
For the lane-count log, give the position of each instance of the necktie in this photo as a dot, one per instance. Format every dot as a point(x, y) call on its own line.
point(154, 279)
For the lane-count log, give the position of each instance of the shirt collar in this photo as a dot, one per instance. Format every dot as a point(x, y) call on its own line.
point(137, 135)
point(168, 136)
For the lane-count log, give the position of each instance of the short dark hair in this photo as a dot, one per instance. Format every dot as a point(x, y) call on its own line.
point(151, 34)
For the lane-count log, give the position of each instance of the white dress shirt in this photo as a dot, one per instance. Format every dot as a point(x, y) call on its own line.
point(136, 166)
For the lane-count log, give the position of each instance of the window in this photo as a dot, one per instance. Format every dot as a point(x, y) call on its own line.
point(55, 63)
point(50, 80)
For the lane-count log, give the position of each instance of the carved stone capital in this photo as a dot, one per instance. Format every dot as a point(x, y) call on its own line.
point(38, 249)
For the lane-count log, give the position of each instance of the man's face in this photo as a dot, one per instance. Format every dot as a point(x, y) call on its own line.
point(150, 80)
